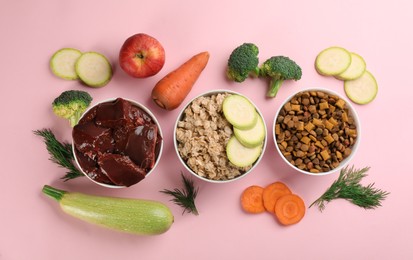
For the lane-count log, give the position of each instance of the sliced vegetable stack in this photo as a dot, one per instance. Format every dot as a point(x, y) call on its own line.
point(245, 146)
point(277, 199)
point(359, 84)
point(92, 68)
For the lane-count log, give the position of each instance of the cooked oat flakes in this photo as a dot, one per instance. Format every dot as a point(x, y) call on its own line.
point(202, 135)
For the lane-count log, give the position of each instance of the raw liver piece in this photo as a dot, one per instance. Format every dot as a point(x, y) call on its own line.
point(89, 116)
point(91, 139)
point(113, 114)
point(139, 117)
point(120, 136)
point(141, 145)
point(91, 168)
point(120, 169)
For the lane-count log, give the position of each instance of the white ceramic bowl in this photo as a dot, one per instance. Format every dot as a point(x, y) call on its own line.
point(137, 104)
point(354, 147)
point(180, 117)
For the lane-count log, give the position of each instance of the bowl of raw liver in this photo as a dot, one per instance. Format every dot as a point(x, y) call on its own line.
point(117, 143)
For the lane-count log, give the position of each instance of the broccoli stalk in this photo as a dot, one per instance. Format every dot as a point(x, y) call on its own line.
point(243, 62)
point(71, 104)
point(275, 85)
point(278, 69)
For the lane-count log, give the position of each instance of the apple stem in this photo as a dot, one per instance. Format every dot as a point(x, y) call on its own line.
point(139, 55)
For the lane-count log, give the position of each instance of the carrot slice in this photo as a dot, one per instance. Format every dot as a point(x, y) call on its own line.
point(251, 199)
point(289, 209)
point(272, 193)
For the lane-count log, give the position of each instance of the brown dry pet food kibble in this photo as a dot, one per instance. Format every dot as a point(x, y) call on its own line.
point(315, 131)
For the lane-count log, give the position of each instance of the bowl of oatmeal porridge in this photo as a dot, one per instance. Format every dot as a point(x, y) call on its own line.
point(201, 135)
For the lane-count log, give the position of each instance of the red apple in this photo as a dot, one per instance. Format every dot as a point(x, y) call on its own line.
point(141, 56)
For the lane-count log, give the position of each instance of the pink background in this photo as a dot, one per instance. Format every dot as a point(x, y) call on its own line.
point(33, 227)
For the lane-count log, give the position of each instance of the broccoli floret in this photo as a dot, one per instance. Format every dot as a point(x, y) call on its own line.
point(243, 62)
point(71, 104)
point(278, 69)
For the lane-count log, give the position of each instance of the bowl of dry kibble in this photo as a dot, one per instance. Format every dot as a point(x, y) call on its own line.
point(212, 148)
point(316, 131)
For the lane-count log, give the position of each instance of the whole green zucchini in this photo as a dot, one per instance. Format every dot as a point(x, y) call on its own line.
point(136, 216)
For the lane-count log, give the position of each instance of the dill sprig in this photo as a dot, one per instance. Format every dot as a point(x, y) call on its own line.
point(60, 153)
point(185, 197)
point(348, 187)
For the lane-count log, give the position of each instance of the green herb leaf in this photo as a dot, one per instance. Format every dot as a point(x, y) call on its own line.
point(184, 198)
point(348, 187)
point(60, 153)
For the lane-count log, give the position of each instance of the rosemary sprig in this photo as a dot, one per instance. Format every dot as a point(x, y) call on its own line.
point(184, 198)
point(348, 187)
point(60, 153)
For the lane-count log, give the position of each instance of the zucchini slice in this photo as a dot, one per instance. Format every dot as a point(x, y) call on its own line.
point(355, 70)
point(251, 137)
point(332, 61)
point(94, 69)
point(239, 111)
point(362, 90)
point(63, 61)
point(240, 155)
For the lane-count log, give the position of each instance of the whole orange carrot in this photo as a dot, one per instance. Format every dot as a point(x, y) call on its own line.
point(171, 90)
